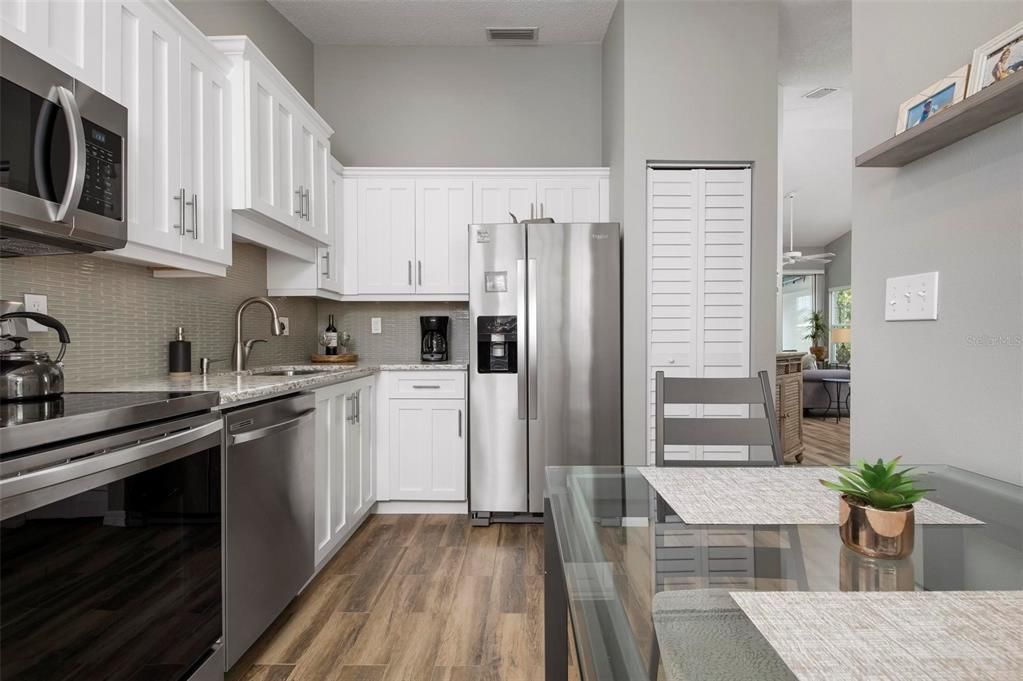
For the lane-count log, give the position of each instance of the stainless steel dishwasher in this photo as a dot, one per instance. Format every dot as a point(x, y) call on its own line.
point(268, 523)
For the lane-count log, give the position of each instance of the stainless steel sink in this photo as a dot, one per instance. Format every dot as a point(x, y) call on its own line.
point(292, 372)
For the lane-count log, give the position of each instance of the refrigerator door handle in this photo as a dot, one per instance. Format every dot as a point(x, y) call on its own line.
point(531, 330)
point(520, 336)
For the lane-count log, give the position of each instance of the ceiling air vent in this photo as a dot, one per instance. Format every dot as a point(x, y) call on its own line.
point(820, 92)
point(527, 34)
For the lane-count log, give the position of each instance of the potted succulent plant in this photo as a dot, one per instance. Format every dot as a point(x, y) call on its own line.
point(817, 333)
point(876, 508)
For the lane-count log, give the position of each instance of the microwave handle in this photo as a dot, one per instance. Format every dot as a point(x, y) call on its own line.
point(76, 163)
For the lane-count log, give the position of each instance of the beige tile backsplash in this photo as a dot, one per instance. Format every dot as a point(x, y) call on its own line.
point(121, 318)
point(399, 341)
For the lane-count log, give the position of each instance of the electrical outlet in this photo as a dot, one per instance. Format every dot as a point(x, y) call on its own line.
point(911, 298)
point(285, 326)
point(35, 303)
point(375, 325)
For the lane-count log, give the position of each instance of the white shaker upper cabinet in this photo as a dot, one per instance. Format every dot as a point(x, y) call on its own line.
point(280, 148)
point(497, 200)
point(205, 157)
point(443, 215)
point(386, 235)
point(569, 199)
point(65, 33)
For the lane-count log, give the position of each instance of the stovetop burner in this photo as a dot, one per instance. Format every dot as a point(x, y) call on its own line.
point(32, 423)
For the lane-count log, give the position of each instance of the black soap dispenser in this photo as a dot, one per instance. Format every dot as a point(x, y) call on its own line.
point(180, 356)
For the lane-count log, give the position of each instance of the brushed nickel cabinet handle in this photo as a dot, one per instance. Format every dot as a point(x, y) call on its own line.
point(541, 210)
point(419, 264)
point(459, 423)
point(409, 272)
point(194, 203)
point(308, 205)
point(180, 198)
point(298, 211)
point(326, 263)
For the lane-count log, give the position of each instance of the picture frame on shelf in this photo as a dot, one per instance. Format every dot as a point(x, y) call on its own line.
point(935, 98)
point(997, 59)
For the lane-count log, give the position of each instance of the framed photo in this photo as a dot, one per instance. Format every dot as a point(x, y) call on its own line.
point(940, 95)
point(997, 59)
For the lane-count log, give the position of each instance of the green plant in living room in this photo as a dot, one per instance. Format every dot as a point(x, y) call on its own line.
point(876, 508)
point(817, 333)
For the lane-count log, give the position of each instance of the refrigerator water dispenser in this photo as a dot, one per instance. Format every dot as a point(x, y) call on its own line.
point(497, 346)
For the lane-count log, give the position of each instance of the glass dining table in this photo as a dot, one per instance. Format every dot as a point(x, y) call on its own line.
point(614, 550)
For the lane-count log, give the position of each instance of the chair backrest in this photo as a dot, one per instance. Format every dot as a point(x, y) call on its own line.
point(752, 431)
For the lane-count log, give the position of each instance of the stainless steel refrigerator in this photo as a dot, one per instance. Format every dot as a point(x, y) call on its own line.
point(545, 358)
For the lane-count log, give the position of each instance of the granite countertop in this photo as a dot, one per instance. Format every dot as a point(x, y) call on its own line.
point(253, 384)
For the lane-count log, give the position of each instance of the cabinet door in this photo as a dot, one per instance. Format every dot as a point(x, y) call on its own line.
point(204, 157)
point(366, 422)
point(65, 33)
point(427, 449)
point(150, 91)
point(340, 475)
point(443, 214)
point(287, 204)
point(318, 223)
point(329, 261)
point(358, 501)
point(569, 199)
point(386, 234)
point(495, 200)
point(302, 170)
point(323, 490)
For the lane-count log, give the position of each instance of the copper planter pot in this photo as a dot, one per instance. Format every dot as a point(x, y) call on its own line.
point(875, 533)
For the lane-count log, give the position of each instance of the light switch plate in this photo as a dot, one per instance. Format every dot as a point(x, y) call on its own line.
point(375, 325)
point(285, 326)
point(35, 303)
point(912, 297)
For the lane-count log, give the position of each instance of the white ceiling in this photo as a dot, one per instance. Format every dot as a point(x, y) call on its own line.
point(816, 51)
point(444, 22)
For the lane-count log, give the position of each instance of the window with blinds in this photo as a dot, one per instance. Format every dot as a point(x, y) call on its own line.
point(698, 289)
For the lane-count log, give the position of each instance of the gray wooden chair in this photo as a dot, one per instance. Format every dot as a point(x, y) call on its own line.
point(753, 431)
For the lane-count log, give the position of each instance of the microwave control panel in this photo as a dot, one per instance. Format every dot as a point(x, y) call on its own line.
point(103, 189)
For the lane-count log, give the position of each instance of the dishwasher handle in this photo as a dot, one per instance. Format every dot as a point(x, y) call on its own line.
point(275, 429)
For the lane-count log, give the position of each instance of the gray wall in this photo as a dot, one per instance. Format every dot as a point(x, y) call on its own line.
point(283, 44)
point(946, 391)
point(691, 96)
point(839, 271)
point(121, 318)
point(461, 106)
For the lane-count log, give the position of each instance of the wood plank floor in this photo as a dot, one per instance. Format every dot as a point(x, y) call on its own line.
point(416, 598)
point(826, 442)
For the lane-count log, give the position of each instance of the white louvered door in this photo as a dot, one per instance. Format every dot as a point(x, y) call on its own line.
point(698, 295)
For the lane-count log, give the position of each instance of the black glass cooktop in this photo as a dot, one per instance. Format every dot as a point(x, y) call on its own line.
point(32, 423)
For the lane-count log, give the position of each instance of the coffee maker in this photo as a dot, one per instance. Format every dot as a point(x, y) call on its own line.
point(435, 339)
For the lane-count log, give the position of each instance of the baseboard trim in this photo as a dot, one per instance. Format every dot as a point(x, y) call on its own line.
point(436, 507)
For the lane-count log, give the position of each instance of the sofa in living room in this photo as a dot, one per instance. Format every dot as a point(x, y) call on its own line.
point(815, 394)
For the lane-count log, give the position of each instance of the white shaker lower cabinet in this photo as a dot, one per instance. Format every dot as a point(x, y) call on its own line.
point(424, 436)
point(175, 87)
point(344, 481)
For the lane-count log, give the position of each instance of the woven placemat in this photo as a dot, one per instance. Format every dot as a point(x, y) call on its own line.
point(766, 496)
point(893, 636)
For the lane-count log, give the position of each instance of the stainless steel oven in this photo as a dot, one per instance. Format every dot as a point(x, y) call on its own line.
point(62, 161)
point(110, 541)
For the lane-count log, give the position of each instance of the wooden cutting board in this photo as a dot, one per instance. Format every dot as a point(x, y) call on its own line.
point(348, 358)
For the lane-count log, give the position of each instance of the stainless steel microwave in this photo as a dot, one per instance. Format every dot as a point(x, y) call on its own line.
point(62, 161)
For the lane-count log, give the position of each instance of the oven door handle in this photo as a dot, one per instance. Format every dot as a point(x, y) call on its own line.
point(76, 157)
point(274, 429)
point(45, 483)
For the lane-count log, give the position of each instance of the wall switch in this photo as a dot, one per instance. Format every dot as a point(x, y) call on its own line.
point(375, 326)
point(35, 303)
point(912, 297)
point(285, 326)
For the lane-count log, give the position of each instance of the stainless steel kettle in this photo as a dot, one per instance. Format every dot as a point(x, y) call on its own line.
point(31, 374)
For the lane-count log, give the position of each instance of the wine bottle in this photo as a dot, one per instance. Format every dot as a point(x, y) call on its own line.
point(330, 337)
